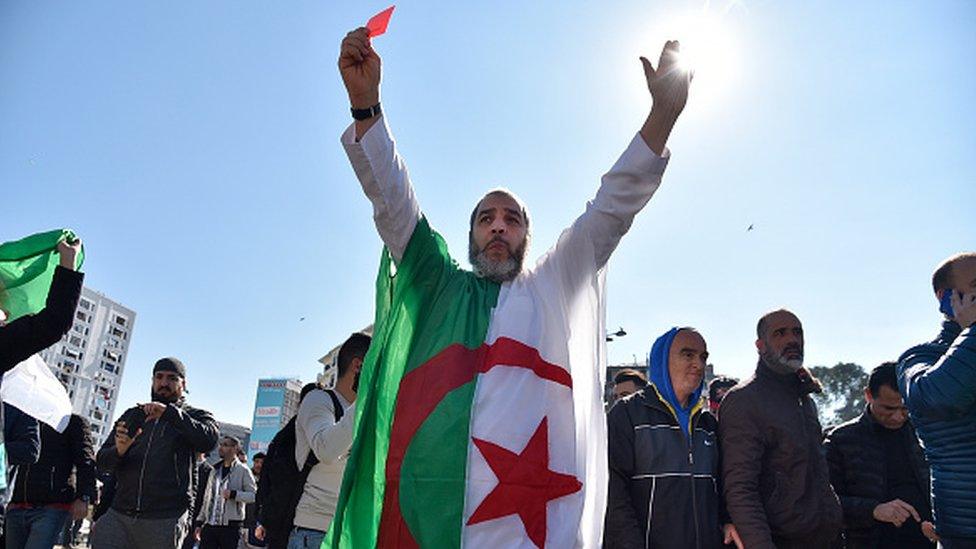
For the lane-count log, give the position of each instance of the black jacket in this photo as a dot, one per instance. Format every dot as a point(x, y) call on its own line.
point(21, 436)
point(858, 472)
point(65, 470)
point(154, 479)
point(655, 471)
point(777, 489)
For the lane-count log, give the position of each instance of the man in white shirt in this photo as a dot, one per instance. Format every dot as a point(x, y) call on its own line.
point(476, 370)
point(323, 435)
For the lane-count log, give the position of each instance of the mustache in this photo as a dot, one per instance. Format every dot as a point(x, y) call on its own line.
point(793, 347)
point(499, 240)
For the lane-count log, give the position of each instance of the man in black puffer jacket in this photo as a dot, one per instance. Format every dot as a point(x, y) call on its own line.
point(153, 458)
point(664, 456)
point(879, 473)
point(59, 485)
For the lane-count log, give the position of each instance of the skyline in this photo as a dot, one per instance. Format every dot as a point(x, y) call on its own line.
point(195, 149)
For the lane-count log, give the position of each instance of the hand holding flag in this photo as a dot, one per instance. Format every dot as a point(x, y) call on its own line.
point(68, 253)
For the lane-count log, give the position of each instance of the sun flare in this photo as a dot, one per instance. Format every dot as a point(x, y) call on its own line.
point(708, 49)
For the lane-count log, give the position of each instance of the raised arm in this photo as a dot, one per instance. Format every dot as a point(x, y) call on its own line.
point(632, 180)
point(371, 149)
point(33, 333)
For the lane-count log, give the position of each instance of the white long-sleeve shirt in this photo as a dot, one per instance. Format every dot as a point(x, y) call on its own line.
point(316, 430)
point(555, 307)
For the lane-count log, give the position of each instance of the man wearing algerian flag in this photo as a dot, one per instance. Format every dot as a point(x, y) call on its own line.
point(480, 420)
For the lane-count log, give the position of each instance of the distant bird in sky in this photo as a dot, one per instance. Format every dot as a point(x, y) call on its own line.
point(750, 228)
point(301, 319)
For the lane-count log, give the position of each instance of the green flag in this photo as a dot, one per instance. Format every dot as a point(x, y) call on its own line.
point(405, 478)
point(26, 270)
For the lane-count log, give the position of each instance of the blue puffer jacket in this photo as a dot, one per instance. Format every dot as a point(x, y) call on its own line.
point(938, 382)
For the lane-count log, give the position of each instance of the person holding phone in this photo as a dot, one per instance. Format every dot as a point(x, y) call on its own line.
point(938, 382)
point(153, 459)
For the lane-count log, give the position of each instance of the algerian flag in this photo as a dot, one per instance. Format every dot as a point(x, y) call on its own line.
point(478, 420)
point(26, 270)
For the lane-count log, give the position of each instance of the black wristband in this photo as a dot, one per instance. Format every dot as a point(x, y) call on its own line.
point(366, 114)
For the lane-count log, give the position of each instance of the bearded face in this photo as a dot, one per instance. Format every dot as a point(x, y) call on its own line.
point(781, 343)
point(493, 267)
point(499, 237)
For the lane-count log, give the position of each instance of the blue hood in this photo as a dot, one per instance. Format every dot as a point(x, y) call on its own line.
point(657, 372)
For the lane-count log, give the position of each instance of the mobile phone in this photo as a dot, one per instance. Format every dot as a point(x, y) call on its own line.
point(134, 418)
point(945, 304)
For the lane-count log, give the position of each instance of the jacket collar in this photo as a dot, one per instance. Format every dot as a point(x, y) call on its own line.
point(651, 397)
point(792, 382)
point(949, 332)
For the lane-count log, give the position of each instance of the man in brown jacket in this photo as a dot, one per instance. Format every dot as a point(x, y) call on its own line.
point(777, 488)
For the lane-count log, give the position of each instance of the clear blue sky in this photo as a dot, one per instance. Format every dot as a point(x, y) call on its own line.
point(194, 146)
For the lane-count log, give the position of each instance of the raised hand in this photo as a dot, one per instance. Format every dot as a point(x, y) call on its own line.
point(69, 253)
point(359, 66)
point(669, 82)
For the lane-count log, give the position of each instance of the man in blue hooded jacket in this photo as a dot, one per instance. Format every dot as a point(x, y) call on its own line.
point(664, 456)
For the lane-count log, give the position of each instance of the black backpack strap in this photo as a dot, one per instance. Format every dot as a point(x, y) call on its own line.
point(336, 405)
point(311, 460)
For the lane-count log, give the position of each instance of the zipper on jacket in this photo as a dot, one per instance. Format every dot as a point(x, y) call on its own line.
point(650, 512)
point(142, 472)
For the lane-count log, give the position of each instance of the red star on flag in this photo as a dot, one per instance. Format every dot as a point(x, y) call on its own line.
point(525, 484)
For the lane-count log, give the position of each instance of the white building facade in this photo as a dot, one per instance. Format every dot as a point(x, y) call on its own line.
point(90, 358)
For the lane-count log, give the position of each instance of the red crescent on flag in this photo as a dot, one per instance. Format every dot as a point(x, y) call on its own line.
point(422, 389)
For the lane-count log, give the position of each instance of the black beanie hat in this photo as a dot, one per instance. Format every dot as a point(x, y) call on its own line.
point(170, 364)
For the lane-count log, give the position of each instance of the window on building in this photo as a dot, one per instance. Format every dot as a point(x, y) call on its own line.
point(81, 316)
point(85, 304)
point(120, 320)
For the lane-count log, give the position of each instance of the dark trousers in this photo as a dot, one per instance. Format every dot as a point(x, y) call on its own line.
point(220, 537)
point(34, 528)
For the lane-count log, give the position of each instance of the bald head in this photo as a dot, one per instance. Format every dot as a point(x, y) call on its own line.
point(957, 272)
point(779, 314)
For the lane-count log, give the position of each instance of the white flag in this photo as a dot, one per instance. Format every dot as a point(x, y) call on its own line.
point(31, 387)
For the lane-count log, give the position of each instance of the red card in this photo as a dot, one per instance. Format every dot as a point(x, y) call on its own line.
point(377, 24)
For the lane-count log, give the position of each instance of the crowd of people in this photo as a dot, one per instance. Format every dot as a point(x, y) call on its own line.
point(673, 463)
